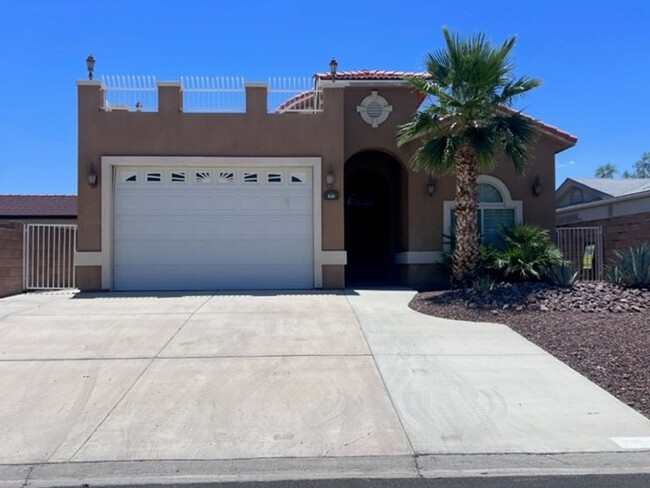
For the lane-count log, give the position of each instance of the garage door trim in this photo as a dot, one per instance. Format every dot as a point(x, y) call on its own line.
point(111, 163)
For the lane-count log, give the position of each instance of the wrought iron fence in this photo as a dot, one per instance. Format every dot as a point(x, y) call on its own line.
point(289, 94)
point(48, 256)
point(583, 247)
point(136, 93)
point(213, 94)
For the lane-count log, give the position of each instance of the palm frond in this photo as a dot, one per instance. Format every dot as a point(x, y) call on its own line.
point(517, 135)
point(516, 88)
point(436, 156)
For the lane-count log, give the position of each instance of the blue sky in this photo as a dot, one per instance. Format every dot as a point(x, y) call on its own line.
point(593, 57)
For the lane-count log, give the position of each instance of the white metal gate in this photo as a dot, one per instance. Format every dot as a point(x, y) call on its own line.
point(583, 246)
point(48, 256)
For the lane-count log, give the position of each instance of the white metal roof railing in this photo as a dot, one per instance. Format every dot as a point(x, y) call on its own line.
point(130, 92)
point(293, 94)
point(213, 94)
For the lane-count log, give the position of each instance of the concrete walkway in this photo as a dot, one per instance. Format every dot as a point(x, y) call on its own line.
point(335, 382)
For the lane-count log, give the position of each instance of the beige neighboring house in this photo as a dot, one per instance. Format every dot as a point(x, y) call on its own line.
point(620, 207)
point(308, 192)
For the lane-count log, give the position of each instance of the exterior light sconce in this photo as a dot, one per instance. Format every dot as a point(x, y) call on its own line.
point(537, 186)
point(330, 193)
point(91, 177)
point(138, 106)
point(90, 66)
point(431, 187)
point(329, 178)
point(333, 66)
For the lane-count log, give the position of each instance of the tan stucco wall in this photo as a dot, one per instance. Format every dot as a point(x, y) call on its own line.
point(335, 135)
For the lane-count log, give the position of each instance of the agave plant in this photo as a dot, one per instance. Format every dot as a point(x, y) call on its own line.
point(563, 274)
point(632, 266)
point(527, 255)
point(483, 285)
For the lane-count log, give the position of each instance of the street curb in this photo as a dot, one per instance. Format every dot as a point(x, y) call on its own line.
point(120, 473)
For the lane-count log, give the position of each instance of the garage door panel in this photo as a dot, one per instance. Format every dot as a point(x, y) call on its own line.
point(210, 277)
point(220, 234)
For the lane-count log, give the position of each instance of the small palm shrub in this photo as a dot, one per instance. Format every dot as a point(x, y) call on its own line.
point(632, 266)
point(528, 254)
point(563, 274)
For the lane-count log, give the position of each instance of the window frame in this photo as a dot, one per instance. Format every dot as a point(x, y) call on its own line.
point(507, 203)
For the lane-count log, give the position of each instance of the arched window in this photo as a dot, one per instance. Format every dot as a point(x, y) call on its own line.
point(495, 209)
point(577, 196)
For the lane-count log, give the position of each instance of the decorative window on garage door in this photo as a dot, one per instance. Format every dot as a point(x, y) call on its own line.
point(202, 177)
point(154, 177)
point(127, 176)
point(226, 177)
point(298, 177)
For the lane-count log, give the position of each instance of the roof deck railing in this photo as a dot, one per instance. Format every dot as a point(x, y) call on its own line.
point(217, 94)
point(130, 92)
point(213, 94)
point(297, 95)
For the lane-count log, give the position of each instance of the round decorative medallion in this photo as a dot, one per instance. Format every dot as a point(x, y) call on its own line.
point(374, 109)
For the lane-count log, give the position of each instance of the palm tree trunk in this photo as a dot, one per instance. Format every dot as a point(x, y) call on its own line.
point(466, 252)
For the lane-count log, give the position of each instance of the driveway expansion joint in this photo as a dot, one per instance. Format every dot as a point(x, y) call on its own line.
point(144, 370)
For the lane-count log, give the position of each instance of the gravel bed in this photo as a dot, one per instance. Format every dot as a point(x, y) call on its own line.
point(600, 330)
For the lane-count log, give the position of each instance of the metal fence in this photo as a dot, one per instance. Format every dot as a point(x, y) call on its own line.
point(300, 95)
point(48, 256)
point(135, 93)
point(216, 94)
point(583, 247)
point(213, 94)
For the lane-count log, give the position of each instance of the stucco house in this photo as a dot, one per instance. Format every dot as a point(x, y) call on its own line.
point(311, 192)
point(619, 207)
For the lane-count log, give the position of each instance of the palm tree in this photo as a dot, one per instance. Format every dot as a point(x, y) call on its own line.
point(471, 86)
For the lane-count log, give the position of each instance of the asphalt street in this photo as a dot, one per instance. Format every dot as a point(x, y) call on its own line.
point(584, 481)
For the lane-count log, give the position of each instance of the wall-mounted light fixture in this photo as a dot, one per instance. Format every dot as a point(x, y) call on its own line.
point(138, 106)
point(90, 66)
point(537, 186)
point(329, 177)
point(431, 187)
point(333, 66)
point(91, 177)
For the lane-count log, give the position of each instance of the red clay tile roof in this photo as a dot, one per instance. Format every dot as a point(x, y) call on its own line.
point(38, 205)
point(378, 74)
point(372, 74)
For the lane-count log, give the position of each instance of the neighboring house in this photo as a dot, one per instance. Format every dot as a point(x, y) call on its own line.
point(15, 212)
point(38, 209)
point(620, 207)
point(311, 192)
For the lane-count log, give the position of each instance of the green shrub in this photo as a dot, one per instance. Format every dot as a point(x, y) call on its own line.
point(563, 274)
point(483, 285)
point(632, 266)
point(527, 254)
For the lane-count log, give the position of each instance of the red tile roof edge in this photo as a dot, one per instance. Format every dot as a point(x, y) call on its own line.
point(372, 74)
point(378, 74)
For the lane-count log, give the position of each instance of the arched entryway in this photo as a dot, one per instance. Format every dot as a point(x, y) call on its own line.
point(373, 189)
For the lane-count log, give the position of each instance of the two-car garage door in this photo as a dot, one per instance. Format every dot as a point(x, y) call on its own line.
point(213, 228)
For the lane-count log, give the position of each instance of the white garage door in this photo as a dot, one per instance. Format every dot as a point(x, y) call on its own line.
point(213, 228)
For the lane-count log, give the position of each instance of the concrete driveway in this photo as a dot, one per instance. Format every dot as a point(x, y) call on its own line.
point(353, 376)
